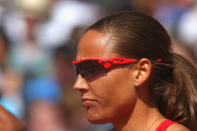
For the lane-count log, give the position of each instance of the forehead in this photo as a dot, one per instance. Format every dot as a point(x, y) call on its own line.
point(94, 44)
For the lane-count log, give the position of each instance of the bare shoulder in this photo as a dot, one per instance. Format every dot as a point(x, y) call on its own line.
point(177, 127)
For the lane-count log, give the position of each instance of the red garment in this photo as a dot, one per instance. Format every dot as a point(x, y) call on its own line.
point(164, 125)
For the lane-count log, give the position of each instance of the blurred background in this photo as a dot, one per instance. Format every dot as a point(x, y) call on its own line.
point(37, 44)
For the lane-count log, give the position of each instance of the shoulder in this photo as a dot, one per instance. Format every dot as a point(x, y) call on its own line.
point(177, 127)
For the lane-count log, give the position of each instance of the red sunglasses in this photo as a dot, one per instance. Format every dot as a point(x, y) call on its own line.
point(89, 68)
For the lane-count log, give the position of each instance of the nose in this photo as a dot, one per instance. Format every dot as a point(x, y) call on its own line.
point(81, 84)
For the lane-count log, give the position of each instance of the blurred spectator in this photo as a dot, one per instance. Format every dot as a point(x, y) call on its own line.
point(63, 68)
point(169, 12)
point(11, 93)
point(38, 33)
point(42, 96)
point(41, 92)
point(2, 9)
point(35, 8)
point(50, 21)
point(30, 60)
point(187, 29)
point(44, 116)
point(4, 48)
point(10, 82)
point(145, 6)
point(18, 11)
point(9, 90)
point(65, 16)
point(27, 56)
point(117, 5)
point(42, 89)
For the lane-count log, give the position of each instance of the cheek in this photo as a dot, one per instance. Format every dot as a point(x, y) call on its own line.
point(115, 93)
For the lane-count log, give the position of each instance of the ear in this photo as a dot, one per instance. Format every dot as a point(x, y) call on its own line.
point(142, 71)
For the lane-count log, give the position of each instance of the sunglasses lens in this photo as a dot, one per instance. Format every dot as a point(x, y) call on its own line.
point(89, 69)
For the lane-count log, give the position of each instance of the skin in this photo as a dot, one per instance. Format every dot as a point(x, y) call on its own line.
point(8, 122)
point(113, 97)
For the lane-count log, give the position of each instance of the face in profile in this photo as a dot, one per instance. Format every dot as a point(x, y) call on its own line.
point(107, 95)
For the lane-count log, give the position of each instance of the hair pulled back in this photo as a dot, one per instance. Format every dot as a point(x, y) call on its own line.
point(174, 80)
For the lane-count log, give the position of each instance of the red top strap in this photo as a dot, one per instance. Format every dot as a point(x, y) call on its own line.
point(164, 125)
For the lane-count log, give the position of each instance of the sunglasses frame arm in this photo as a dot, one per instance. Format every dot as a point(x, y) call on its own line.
point(107, 63)
point(119, 61)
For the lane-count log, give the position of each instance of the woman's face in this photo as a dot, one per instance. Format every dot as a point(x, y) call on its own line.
point(111, 96)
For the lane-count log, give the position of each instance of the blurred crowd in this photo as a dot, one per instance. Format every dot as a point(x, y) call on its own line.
point(38, 41)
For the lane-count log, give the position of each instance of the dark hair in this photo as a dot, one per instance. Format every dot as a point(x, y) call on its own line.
point(173, 82)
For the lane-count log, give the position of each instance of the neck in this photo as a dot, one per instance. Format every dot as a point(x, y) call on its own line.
point(141, 118)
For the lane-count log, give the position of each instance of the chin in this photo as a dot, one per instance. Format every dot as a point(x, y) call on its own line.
point(97, 121)
point(97, 118)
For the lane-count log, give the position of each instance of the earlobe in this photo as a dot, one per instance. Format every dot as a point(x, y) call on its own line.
point(143, 71)
point(136, 84)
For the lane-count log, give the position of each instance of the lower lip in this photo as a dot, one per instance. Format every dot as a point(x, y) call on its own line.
point(87, 103)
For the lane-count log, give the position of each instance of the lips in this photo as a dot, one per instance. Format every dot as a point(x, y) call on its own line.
point(87, 102)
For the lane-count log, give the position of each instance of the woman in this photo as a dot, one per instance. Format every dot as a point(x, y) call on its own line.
point(127, 75)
